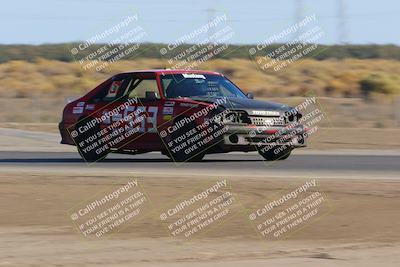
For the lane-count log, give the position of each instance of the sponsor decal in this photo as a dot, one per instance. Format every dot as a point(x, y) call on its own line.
point(168, 110)
point(189, 105)
point(265, 112)
point(90, 107)
point(112, 92)
point(167, 117)
point(77, 110)
point(169, 103)
point(80, 104)
point(193, 76)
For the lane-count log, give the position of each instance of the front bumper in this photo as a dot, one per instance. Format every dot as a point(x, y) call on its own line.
point(261, 136)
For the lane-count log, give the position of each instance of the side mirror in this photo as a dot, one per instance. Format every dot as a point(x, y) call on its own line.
point(151, 95)
point(250, 95)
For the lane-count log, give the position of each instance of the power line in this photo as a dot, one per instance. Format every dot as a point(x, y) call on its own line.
point(342, 22)
point(298, 15)
point(210, 16)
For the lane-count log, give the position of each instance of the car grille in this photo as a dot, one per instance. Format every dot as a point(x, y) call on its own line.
point(241, 117)
point(268, 121)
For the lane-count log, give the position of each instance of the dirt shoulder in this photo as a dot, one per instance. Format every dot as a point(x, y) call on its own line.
point(358, 224)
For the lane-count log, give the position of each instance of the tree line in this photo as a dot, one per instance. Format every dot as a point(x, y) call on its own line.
point(62, 52)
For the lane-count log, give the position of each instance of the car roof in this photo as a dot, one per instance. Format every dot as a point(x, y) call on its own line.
point(170, 71)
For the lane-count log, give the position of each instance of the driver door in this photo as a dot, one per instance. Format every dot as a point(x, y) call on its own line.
point(141, 116)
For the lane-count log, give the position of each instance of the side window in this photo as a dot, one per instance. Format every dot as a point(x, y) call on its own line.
point(113, 89)
point(116, 89)
point(143, 86)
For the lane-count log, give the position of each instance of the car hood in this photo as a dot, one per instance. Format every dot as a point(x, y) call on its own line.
point(247, 104)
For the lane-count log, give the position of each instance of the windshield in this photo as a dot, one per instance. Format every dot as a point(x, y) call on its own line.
point(198, 85)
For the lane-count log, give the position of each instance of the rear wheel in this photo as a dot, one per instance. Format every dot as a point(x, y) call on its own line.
point(275, 153)
point(89, 155)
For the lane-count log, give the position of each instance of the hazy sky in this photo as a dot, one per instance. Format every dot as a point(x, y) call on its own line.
point(55, 21)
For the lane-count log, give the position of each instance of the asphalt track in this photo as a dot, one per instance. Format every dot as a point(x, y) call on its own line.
point(231, 164)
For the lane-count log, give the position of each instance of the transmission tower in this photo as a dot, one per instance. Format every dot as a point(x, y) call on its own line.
point(298, 15)
point(342, 22)
point(210, 16)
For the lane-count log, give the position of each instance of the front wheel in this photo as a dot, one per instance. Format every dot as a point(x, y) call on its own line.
point(275, 153)
point(178, 153)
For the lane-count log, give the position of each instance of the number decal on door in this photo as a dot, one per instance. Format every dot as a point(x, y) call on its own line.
point(145, 119)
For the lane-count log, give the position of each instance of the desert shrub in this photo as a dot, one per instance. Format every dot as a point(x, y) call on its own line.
point(377, 83)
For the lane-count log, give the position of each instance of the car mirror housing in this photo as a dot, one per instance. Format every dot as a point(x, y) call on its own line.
point(250, 95)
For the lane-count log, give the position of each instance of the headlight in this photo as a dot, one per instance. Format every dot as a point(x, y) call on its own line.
point(293, 116)
point(237, 117)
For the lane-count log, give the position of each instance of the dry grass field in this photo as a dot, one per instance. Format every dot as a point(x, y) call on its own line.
point(37, 91)
point(333, 77)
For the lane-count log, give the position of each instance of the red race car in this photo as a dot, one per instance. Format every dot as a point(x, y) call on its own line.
point(183, 114)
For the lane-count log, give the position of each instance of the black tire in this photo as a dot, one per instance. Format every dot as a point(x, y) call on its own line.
point(181, 156)
point(90, 156)
point(197, 158)
point(275, 153)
